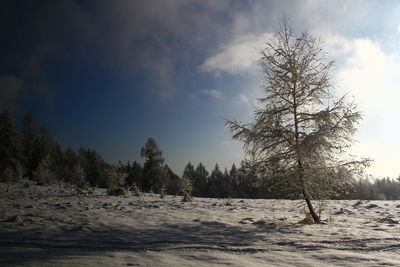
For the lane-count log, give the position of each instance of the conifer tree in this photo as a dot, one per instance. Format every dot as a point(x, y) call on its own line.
point(46, 153)
point(188, 174)
point(214, 182)
point(173, 181)
point(29, 132)
point(95, 167)
point(154, 176)
point(200, 180)
point(10, 149)
point(234, 180)
point(135, 174)
point(70, 162)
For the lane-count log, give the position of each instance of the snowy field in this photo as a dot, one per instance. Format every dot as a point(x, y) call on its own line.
point(53, 226)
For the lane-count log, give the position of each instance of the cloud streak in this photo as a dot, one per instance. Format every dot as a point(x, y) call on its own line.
point(157, 38)
point(373, 77)
point(214, 93)
point(240, 55)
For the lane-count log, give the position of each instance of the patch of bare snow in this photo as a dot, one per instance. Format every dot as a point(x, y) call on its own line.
point(53, 226)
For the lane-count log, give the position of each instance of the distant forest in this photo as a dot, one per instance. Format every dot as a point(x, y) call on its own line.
point(33, 153)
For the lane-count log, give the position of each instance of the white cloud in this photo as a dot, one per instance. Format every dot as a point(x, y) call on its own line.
point(213, 93)
point(365, 70)
point(372, 76)
point(241, 54)
point(244, 99)
point(385, 155)
point(248, 99)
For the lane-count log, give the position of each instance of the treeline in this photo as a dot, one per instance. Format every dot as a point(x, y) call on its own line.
point(380, 189)
point(244, 183)
point(32, 153)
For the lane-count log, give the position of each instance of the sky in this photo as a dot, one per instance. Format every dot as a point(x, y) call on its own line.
point(110, 74)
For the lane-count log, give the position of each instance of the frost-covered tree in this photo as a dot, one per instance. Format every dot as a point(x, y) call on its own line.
point(301, 129)
point(115, 177)
point(77, 177)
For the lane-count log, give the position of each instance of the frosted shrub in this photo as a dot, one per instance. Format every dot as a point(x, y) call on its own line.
point(115, 181)
point(135, 190)
point(43, 175)
point(186, 189)
point(78, 177)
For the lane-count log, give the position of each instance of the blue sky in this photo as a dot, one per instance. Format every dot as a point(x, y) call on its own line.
point(110, 74)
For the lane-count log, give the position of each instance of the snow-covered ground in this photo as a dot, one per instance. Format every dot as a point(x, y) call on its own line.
point(53, 226)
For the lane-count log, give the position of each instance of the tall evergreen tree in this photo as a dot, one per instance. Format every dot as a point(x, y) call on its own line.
point(46, 153)
point(29, 133)
point(234, 180)
point(200, 180)
point(43, 147)
point(225, 186)
point(70, 161)
point(173, 181)
point(153, 172)
point(189, 174)
point(95, 167)
point(214, 182)
point(135, 174)
point(10, 149)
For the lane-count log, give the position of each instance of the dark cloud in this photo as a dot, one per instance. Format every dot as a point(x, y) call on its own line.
point(154, 38)
point(158, 40)
point(10, 92)
point(34, 35)
point(158, 36)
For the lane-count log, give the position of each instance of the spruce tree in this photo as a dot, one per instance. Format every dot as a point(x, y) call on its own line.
point(200, 180)
point(214, 182)
point(46, 153)
point(173, 181)
point(154, 176)
point(29, 133)
point(135, 174)
point(95, 167)
point(10, 149)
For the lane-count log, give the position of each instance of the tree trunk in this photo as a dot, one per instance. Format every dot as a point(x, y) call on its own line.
point(315, 216)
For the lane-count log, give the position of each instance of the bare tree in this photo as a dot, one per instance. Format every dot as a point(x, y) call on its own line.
point(301, 130)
